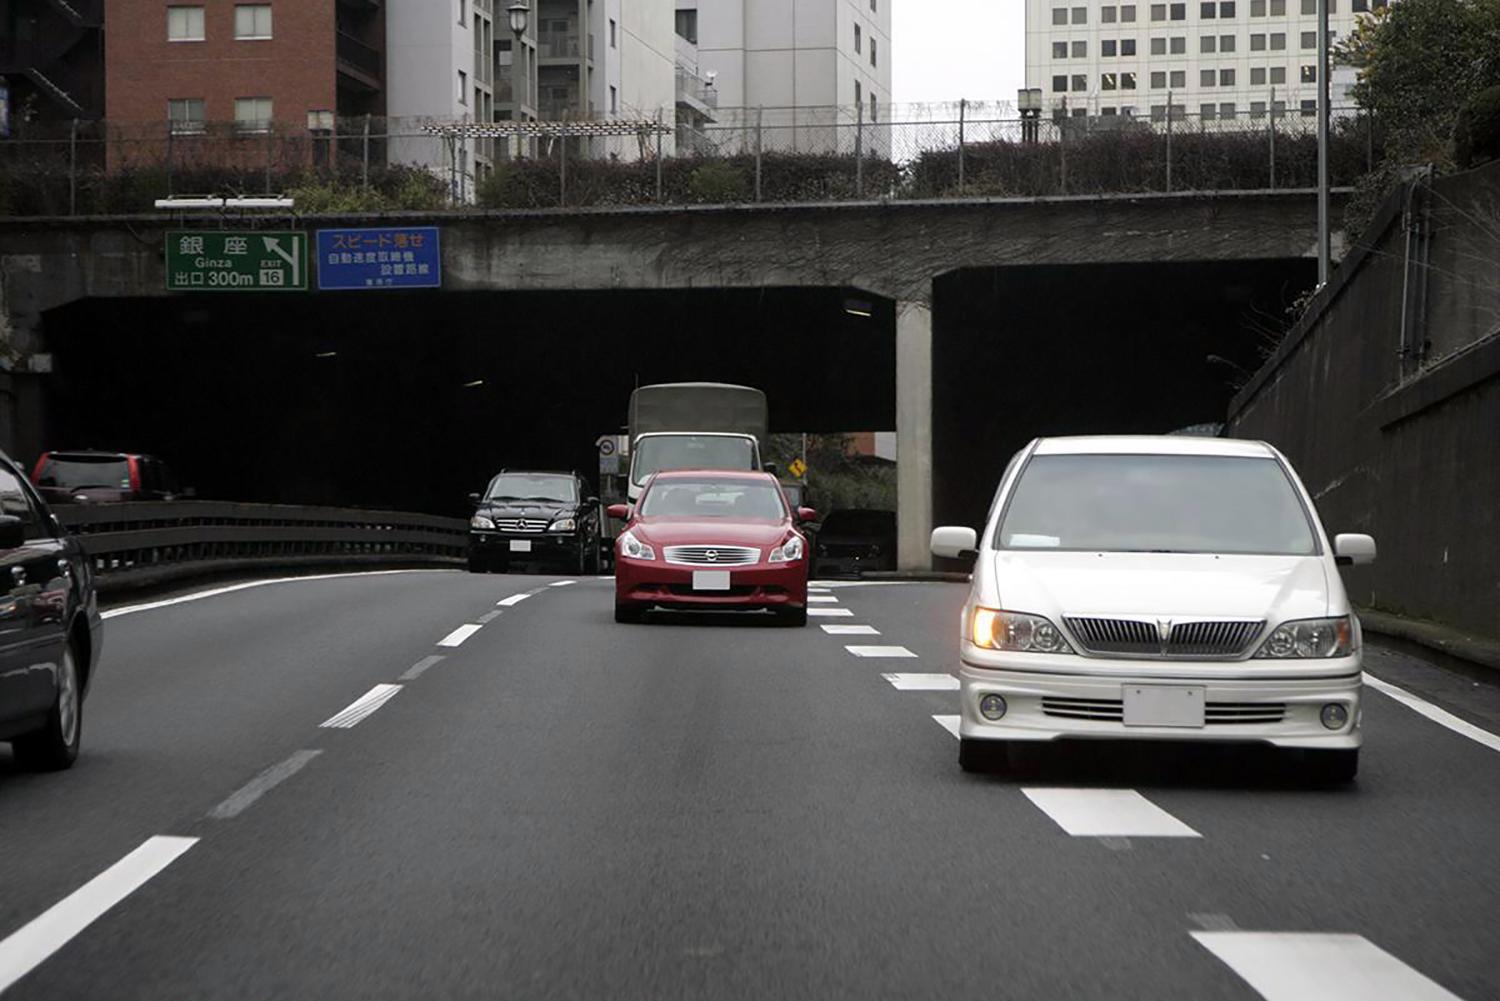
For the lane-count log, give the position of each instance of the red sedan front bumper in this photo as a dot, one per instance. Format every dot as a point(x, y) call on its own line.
point(647, 583)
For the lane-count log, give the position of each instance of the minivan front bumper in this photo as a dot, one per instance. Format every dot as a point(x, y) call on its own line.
point(1044, 705)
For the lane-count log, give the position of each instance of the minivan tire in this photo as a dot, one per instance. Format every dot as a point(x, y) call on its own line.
point(55, 746)
point(983, 756)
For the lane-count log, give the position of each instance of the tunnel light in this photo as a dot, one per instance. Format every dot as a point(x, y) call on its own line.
point(859, 307)
point(326, 354)
point(474, 385)
point(190, 202)
point(259, 203)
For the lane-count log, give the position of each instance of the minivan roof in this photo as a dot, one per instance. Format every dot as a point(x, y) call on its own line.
point(1153, 444)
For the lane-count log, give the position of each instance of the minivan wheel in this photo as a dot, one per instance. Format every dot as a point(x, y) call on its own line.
point(1332, 767)
point(983, 756)
point(55, 746)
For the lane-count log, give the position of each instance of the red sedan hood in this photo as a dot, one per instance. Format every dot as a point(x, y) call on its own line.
point(710, 531)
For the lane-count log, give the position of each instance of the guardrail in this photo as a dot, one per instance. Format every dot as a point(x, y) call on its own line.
point(141, 544)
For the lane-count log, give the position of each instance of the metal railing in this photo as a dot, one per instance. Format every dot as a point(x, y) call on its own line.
point(739, 155)
point(137, 544)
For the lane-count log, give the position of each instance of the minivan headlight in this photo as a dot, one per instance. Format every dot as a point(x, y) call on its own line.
point(1309, 638)
point(634, 548)
point(993, 629)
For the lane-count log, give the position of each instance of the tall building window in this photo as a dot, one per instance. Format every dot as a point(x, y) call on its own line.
point(1080, 15)
point(186, 115)
point(1109, 81)
point(1179, 12)
point(1158, 46)
point(1127, 81)
point(1108, 15)
point(1208, 9)
point(1179, 78)
point(1257, 8)
point(1108, 47)
point(874, 107)
point(1278, 8)
point(1258, 42)
point(1257, 76)
point(252, 114)
point(1127, 14)
point(1158, 79)
point(614, 41)
point(1227, 110)
point(463, 87)
point(856, 39)
point(1278, 74)
point(1226, 8)
point(1278, 41)
point(1226, 78)
point(463, 12)
point(252, 20)
point(687, 25)
point(1179, 46)
point(1059, 84)
point(614, 100)
point(859, 94)
point(1206, 78)
point(1127, 46)
point(1208, 43)
point(1059, 16)
point(1080, 50)
point(1158, 12)
point(184, 24)
point(874, 52)
point(1059, 50)
point(1226, 43)
point(1309, 74)
point(1206, 111)
point(1080, 82)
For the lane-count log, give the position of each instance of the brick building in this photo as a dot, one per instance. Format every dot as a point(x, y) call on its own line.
point(271, 65)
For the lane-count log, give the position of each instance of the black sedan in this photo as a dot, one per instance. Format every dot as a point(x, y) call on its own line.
point(535, 517)
point(50, 628)
point(854, 540)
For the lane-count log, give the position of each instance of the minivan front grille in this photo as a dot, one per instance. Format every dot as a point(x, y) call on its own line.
point(1139, 638)
point(713, 556)
point(1215, 713)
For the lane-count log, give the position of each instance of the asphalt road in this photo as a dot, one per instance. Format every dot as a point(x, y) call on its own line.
point(563, 807)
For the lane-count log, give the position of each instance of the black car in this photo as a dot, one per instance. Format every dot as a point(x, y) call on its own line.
point(50, 628)
point(855, 540)
point(535, 517)
point(104, 477)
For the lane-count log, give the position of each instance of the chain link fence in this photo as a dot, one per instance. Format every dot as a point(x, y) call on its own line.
point(744, 155)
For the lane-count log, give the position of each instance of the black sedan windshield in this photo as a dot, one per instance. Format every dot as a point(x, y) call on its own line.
point(533, 486)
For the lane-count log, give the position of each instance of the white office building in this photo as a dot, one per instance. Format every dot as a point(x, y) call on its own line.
point(1218, 59)
point(801, 65)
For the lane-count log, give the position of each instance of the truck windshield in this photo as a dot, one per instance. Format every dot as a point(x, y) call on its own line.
point(77, 472)
point(1156, 504)
point(690, 451)
point(533, 486)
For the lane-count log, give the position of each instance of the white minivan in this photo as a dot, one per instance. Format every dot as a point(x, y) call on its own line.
point(1160, 588)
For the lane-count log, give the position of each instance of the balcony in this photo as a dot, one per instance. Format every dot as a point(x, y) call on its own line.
point(558, 44)
point(361, 62)
point(696, 93)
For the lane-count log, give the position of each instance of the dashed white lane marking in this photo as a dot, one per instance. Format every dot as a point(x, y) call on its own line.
point(490, 616)
point(361, 707)
point(420, 667)
point(229, 589)
point(817, 589)
point(1288, 966)
point(834, 612)
point(881, 651)
point(28, 948)
point(821, 599)
point(1439, 716)
point(457, 637)
point(841, 629)
point(513, 600)
point(562, 583)
point(922, 682)
point(949, 723)
point(1106, 813)
point(263, 783)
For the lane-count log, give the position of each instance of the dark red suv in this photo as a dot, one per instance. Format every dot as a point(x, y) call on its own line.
point(103, 477)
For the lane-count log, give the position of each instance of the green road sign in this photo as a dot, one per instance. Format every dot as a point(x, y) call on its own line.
point(220, 261)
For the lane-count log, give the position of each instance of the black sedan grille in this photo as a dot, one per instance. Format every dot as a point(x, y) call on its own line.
point(520, 525)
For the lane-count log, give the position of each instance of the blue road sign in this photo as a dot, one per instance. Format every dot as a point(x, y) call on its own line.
point(384, 257)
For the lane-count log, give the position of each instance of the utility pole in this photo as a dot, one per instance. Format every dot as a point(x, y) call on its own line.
point(1325, 243)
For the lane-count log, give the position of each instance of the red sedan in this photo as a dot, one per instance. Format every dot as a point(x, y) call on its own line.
point(710, 540)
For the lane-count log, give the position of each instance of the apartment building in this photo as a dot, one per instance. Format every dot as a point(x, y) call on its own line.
point(270, 65)
point(51, 61)
point(807, 63)
point(1218, 59)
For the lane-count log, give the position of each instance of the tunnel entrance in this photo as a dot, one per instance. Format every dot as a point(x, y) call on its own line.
point(1145, 348)
point(409, 400)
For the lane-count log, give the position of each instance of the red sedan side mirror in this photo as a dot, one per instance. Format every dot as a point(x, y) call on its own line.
point(620, 512)
point(806, 514)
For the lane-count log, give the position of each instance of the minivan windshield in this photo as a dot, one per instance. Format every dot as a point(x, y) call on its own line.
point(77, 472)
point(690, 451)
point(533, 486)
point(706, 498)
point(1156, 504)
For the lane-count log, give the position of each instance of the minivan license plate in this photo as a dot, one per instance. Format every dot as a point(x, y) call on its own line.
point(520, 545)
point(710, 580)
point(1164, 705)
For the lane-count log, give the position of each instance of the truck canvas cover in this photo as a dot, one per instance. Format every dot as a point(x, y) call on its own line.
point(698, 406)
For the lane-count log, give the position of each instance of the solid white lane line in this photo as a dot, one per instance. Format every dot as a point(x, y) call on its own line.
point(562, 583)
point(361, 707)
point(881, 651)
point(835, 612)
point(420, 667)
point(842, 629)
point(513, 600)
point(822, 599)
point(922, 682)
point(949, 723)
point(1288, 966)
point(29, 947)
point(457, 637)
point(216, 591)
point(263, 783)
point(1441, 717)
point(1105, 813)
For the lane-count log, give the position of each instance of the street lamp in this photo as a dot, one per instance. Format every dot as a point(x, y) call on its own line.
point(520, 13)
point(1029, 103)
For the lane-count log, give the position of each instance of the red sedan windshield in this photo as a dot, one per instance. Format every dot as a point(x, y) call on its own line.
point(712, 498)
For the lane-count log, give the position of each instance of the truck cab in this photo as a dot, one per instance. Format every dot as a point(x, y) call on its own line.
point(694, 425)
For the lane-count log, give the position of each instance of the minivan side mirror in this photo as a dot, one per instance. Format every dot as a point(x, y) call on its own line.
point(1353, 550)
point(955, 542)
point(620, 512)
point(12, 532)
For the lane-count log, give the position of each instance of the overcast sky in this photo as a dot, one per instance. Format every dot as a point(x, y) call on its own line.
point(948, 49)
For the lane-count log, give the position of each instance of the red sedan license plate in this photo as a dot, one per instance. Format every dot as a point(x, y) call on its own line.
point(710, 580)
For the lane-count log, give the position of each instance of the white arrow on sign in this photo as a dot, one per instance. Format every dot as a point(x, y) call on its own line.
point(273, 246)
